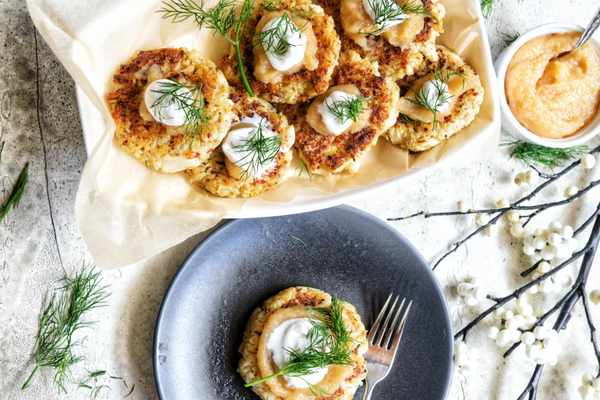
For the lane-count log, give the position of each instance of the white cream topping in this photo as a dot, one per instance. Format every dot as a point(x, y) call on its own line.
point(238, 136)
point(332, 122)
point(431, 93)
point(291, 334)
point(168, 112)
point(385, 4)
point(293, 35)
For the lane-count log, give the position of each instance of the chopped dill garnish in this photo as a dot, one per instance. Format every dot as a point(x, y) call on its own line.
point(17, 193)
point(406, 119)
point(300, 240)
point(330, 343)
point(510, 37)
point(273, 39)
point(222, 18)
point(430, 101)
point(260, 150)
point(61, 318)
point(388, 11)
point(350, 108)
point(486, 8)
point(191, 102)
point(302, 165)
point(536, 155)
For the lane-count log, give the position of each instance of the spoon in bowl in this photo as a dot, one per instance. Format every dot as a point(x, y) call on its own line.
point(589, 31)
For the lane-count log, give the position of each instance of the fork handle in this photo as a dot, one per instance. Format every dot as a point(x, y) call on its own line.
point(368, 390)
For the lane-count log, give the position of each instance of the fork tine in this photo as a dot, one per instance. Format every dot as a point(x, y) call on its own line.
point(385, 326)
point(386, 342)
point(378, 320)
point(401, 327)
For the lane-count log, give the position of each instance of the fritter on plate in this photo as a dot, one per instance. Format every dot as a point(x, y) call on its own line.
point(413, 48)
point(311, 80)
point(325, 154)
point(214, 176)
point(349, 378)
point(410, 132)
point(160, 147)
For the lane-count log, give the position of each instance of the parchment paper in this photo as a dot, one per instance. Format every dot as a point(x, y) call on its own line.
point(126, 212)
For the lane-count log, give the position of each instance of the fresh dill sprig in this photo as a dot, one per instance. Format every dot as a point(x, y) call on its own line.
point(486, 8)
point(95, 389)
point(406, 119)
point(540, 156)
point(61, 318)
point(190, 101)
point(350, 108)
point(295, 238)
point(273, 39)
point(330, 343)
point(431, 102)
point(302, 165)
point(17, 193)
point(1, 149)
point(222, 19)
point(260, 150)
point(510, 37)
point(388, 11)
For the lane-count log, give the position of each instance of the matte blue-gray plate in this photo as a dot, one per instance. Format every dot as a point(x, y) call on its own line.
point(340, 250)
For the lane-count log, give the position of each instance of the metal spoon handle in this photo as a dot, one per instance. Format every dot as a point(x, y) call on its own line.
point(589, 31)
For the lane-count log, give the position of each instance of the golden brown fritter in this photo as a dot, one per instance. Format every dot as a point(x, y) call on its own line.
point(324, 154)
point(396, 62)
point(213, 176)
point(160, 147)
point(302, 85)
point(418, 136)
point(298, 297)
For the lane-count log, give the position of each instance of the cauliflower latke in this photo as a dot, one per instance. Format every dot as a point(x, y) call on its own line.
point(396, 62)
point(418, 136)
point(324, 154)
point(308, 297)
point(213, 175)
point(164, 148)
point(299, 86)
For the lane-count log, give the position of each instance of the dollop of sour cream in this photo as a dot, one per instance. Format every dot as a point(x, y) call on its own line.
point(168, 112)
point(332, 122)
point(293, 35)
point(431, 94)
point(385, 4)
point(237, 137)
point(291, 334)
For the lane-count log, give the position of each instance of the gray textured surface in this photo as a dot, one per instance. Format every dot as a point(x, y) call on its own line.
point(39, 241)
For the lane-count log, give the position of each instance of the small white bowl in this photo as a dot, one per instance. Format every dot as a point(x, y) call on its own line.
point(509, 122)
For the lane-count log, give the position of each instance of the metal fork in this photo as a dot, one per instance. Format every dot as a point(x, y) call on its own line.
point(380, 355)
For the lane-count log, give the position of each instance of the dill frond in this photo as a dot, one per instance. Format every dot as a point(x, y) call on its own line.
point(350, 108)
point(273, 40)
point(260, 150)
point(432, 102)
point(486, 8)
point(540, 156)
point(17, 193)
point(302, 165)
point(510, 37)
point(61, 318)
point(387, 12)
point(222, 19)
point(191, 102)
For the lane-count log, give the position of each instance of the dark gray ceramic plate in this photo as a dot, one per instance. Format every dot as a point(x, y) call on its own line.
point(347, 252)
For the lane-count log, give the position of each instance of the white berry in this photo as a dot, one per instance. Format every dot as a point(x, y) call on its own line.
point(566, 232)
point(571, 191)
point(462, 206)
point(526, 310)
point(470, 300)
point(540, 332)
point(595, 296)
point(539, 242)
point(529, 250)
point(555, 226)
point(517, 230)
point(479, 293)
point(554, 239)
point(508, 314)
point(520, 179)
point(588, 161)
point(464, 288)
point(543, 267)
point(481, 219)
point(587, 379)
point(547, 253)
point(503, 203)
point(493, 332)
point(532, 352)
point(513, 216)
point(498, 313)
point(572, 244)
point(491, 230)
point(561, 251)
point(532, 177)
point(528, 338)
